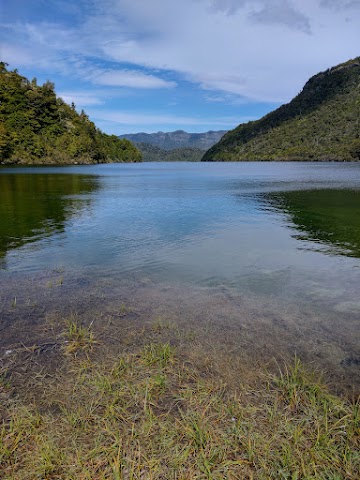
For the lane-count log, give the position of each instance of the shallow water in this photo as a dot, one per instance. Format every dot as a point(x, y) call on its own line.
point(248, 241)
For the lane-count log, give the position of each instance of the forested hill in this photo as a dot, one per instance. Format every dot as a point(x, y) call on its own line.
point(151, 153)
point(321, 123)
point(37, 127)
point(177, 139)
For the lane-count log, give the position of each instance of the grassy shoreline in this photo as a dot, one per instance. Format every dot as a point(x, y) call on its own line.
point(161, 406)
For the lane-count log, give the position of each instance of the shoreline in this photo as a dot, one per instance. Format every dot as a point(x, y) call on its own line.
point(152, 381)
point(156, 403)
point(257, 329)
point(79, 164)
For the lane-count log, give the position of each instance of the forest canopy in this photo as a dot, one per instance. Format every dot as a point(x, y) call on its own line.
point(37, 127)
point(321, 123)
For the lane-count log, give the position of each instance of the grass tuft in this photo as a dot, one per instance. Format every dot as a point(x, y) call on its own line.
point(153, 414)
point(79, 338)
point(160, 354)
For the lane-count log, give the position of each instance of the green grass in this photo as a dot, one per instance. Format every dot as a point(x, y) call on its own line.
point(153, 413)
point(78, 337)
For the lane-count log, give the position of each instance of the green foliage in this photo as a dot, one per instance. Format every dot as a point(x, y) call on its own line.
point(37, 127)
point(80, 338)
point(151, 153)
point(321, 123)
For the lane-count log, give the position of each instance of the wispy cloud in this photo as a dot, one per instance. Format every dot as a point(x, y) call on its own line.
point(282, 12)
point(140, 118)
point(255, 50)
point(340, 4)
point(81, 99)
point(226, 98)
point(218, 81)
point(15, 54)
point(230, 7)
point(272, 12)
point(131, 79)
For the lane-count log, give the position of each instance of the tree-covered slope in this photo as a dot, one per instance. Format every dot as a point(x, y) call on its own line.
point(37, 127)
point(321, 123)
point(151, 153)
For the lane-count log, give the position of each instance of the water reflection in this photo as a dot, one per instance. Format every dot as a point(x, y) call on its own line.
point(36, 206)
point(204, 244)
point(329, 217)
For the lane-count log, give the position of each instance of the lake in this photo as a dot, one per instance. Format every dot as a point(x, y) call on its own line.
point(265, 255)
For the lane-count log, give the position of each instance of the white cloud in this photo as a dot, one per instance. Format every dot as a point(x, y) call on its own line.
point(340, 4)
point(230, 7)
point(277, 12)
point(81, 99)
point(226, 99)
point(282, 12)
point(16, 55)
point(131, 79)
point(259, 49)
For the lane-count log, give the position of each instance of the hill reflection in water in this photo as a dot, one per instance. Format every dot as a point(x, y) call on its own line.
point(329, 217)
point(33, 207)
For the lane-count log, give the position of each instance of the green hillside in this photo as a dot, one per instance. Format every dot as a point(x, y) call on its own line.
point(37, 127)
point(321, 123)
point(152, 153)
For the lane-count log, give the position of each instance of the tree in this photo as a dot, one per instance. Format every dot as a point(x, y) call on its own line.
point(38, 127)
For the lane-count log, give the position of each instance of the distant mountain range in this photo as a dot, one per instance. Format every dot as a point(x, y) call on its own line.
point(177, 139)
point(321, 123)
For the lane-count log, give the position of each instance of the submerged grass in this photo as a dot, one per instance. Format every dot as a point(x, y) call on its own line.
point(154, 413)
point(78, 337)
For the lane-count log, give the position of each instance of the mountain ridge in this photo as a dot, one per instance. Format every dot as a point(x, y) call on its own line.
point(321, 123)
point(176, 139)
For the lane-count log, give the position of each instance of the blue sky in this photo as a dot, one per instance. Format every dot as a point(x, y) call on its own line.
point(197, 65)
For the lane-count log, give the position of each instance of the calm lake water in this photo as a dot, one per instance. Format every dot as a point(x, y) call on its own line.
point(285, 235)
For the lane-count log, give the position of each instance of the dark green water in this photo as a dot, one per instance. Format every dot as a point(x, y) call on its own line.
point(34, 207)
point(283, 237)
point(328, 217)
